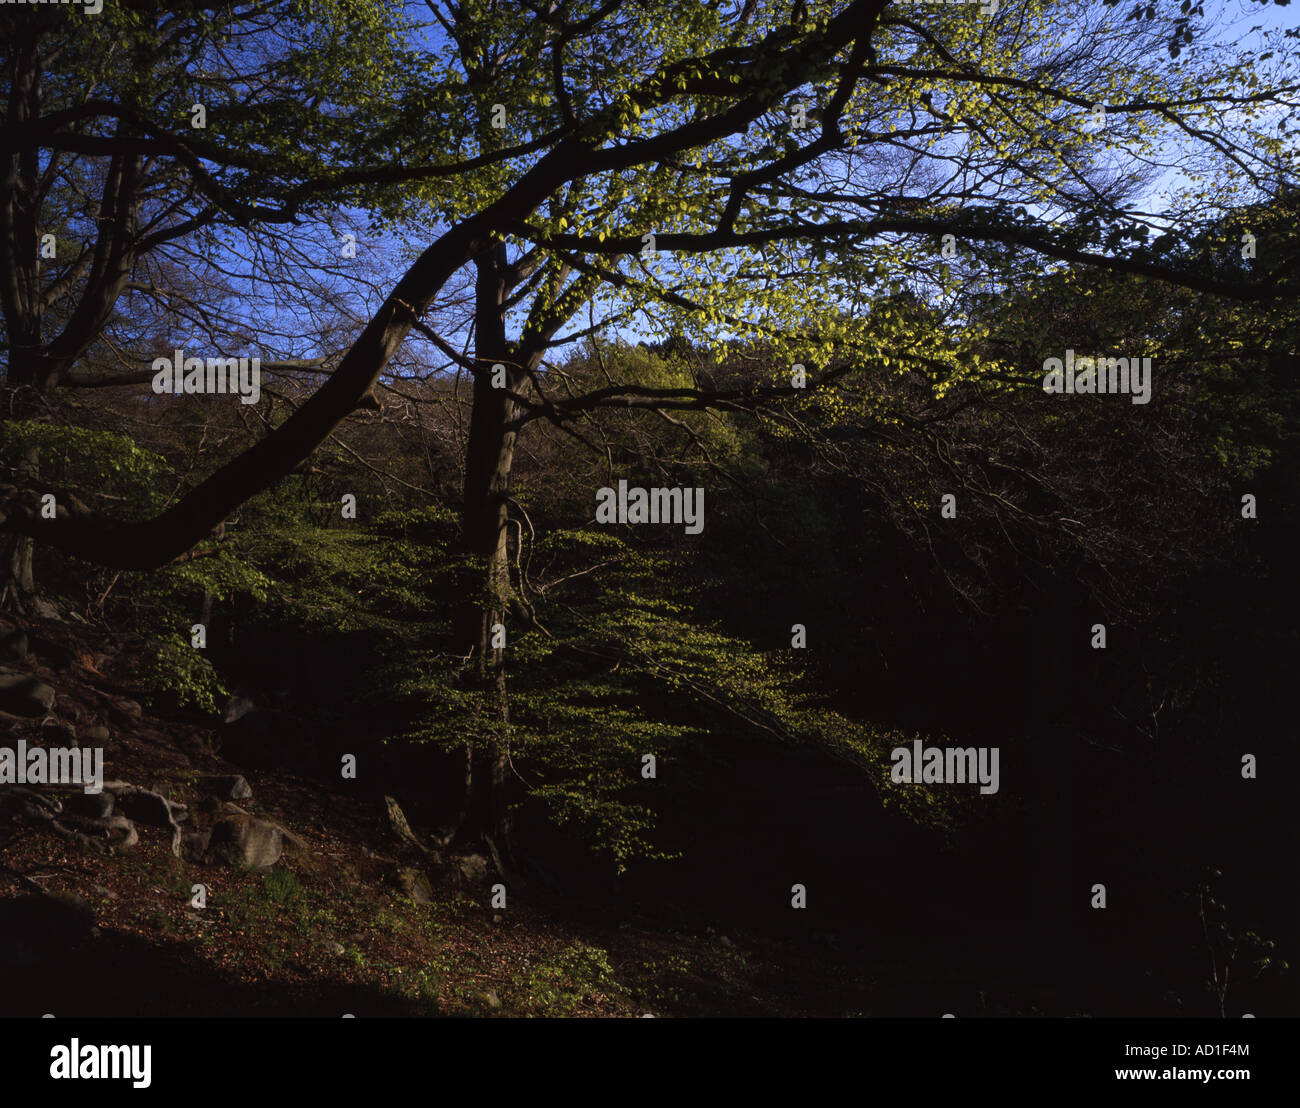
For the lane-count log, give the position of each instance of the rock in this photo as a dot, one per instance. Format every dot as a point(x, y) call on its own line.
point(228, 786)
point(473, 869)
point(24, 694)
point(209, 806)
point(237, 707)
point(291, 843)
point(493, 1001)
point(96, 735)
point(415, 884)
point(194, 846)
point(57, 732)
point(245, 840)
point(126, 711)
point(13, 644)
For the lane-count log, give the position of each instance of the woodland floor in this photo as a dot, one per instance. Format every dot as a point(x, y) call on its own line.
point(327, 931)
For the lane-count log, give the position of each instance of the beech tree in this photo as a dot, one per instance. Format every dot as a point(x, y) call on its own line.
point(132, 139)
point(769, 172)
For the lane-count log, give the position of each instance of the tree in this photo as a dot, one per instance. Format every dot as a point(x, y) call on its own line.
point(129, 138)
point(706, 170)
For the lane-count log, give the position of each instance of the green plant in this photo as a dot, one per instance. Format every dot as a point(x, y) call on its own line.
point(181, 675)
point(577, 975)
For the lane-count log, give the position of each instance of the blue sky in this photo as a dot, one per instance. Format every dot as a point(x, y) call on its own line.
point(1241, 22)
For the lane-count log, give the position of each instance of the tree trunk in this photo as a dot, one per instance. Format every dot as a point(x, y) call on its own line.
point(489, 456)
point(17, 580)
point(17, 583)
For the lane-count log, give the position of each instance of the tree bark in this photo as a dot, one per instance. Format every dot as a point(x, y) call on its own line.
point(487, 589)
point(17, 578)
